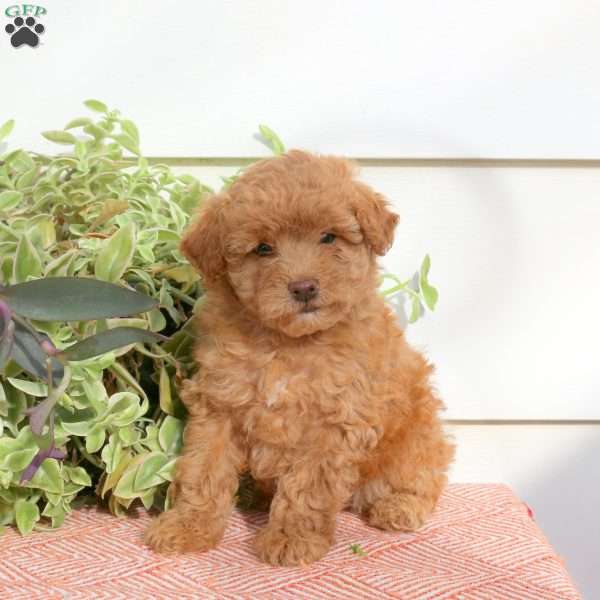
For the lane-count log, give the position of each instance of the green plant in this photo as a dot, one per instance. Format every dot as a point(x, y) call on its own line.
point(95, 213)
point(417, 290)
point(357, 549)
point(62, 299)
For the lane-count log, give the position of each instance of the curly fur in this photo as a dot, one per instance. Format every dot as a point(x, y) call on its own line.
point(326, 409)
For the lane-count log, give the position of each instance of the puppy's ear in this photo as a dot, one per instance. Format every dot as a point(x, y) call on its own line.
point(375, 219)
point(202, 242)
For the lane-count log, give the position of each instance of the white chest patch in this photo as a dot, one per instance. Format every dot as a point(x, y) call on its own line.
point(276, 390)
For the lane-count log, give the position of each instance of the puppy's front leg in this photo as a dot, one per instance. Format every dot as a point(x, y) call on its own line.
point(303, 511)
point(206, 480)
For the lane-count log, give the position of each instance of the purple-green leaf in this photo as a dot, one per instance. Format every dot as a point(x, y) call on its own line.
point(6, 344)
point(29, 355)
point(38, 415)
point(109, 340)
point(7, 331)
point(38, 459)
point(5, 317)
point(74, 299)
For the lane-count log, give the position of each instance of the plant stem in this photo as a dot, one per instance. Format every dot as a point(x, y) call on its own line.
point(400, 287)
point(85, 454)
point(121, 373)
point(162, 356)
point(183, 297)
point(49, 372)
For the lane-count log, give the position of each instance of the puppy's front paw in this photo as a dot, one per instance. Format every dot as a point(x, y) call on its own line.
point(174, 533)
point(399, 512)
point(275, 547)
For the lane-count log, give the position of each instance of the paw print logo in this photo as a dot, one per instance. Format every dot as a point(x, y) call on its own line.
point(24, 32)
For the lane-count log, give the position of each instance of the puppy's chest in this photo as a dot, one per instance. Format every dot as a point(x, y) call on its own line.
point(297, 397)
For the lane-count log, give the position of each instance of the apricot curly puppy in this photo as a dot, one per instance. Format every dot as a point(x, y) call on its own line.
point(305, 378)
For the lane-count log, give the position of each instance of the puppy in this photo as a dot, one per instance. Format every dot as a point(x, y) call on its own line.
point(305, 378)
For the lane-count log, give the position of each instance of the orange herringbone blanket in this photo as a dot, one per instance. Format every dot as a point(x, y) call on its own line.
point(480, 544)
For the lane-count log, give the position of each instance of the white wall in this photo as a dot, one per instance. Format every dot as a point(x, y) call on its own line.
point(499, 78)
point(515, 255)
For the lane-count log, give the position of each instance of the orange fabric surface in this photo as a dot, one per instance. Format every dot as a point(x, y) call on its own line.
point(480, 544)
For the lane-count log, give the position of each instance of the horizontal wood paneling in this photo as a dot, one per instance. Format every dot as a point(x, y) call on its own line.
point(515, 255)
point(374, 79)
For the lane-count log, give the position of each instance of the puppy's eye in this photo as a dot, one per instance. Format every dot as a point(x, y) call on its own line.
point(263, 249)
point(327, 238)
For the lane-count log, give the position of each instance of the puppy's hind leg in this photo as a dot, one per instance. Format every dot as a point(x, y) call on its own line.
point(402, 484)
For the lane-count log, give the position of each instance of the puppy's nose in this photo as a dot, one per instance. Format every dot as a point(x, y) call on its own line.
point(305, 290)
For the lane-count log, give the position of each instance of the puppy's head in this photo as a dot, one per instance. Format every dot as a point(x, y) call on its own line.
point(295, 238)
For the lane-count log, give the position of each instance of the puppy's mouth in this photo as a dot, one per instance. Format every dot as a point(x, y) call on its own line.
point(309, 308)
point(308, 318)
